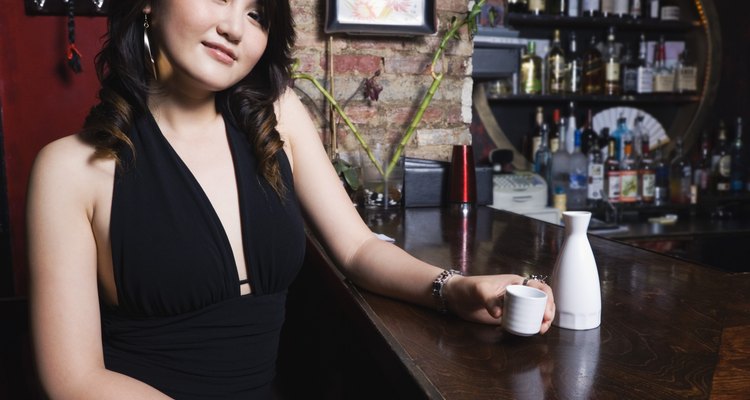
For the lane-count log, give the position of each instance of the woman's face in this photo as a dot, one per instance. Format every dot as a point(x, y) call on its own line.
point(206, 44)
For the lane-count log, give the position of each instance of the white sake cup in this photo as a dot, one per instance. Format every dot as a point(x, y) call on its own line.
point(523, 310)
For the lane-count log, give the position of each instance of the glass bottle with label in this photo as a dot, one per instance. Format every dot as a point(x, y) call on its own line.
point(629, 67)
point(647, 175)
point(543, 156)
point(570, 128)
point(663, 75)
point(590, 8)
point(535, 137)
point(560, 169)
point(620, 134)
point(621, 8)
point(737, 169)
point(669, 10)
point(531, 71)
point(557, 7)
point(680, 176)
point(578, 177)
point(595, 175)
point(593, 69)
point(537, 7)
point(702, 167)
point(721, 163)
point(612, 66)
point(653, 9)
point(645, 78)
point(661, 186)
point(554, 136)
point(573, 9)
point(574, 67)
point(636, 9)
point(628, 174)
point(588, 135)
point(518, 6)
point(612, 174)
point(556, 66)
point(685, 75)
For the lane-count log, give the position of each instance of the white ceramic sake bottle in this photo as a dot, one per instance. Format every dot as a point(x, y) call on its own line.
point(575, 279)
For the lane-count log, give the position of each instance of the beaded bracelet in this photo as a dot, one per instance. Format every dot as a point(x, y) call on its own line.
point(437, 288)
point(540, 278)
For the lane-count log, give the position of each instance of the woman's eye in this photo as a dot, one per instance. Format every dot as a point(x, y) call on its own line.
point(255, 15)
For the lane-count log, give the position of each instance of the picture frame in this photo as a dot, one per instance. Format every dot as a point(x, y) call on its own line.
point(381, 17)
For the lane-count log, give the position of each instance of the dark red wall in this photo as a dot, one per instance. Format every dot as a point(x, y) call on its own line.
point(42, 99)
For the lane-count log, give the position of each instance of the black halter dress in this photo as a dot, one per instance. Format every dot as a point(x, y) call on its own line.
point(181, 324)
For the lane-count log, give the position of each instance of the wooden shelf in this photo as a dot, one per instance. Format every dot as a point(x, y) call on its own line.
point(667, 98)
point(556, 21)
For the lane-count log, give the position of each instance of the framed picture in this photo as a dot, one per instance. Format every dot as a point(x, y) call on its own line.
point(381, 17)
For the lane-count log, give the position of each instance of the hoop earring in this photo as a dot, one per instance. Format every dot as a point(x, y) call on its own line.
point(147, 44)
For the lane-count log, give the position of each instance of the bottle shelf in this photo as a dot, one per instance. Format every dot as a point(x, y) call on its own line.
point(666, 98)
point(518, 20)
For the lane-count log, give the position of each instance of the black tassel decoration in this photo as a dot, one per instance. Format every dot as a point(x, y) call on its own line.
point(74, 56)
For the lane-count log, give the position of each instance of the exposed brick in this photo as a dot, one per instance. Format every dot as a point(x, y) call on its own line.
point(407, 65)
point(458, 6)
point(363, 64)
point(361, 114)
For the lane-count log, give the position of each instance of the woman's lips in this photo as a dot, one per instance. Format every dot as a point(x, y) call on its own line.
point(220, 53)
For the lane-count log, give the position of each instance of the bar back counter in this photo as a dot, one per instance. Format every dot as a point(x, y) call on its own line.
point(670, 329)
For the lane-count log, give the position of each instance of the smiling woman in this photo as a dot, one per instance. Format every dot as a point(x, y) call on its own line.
point(163, 237)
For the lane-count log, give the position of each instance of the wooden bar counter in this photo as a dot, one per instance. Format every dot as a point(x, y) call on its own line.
point(670, 329)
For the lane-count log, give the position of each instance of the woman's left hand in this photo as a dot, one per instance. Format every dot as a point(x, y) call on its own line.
point(480, 298)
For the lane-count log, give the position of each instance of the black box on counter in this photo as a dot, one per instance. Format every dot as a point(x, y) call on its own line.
point(426, 183)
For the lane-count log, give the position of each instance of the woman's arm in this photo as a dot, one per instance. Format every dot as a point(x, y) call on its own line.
point(63, 266)
point(369, 262)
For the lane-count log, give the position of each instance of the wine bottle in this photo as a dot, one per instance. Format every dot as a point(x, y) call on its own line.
point(574, 68)
point(593, 70)
point(531, 71)
point(556, 66)
point(590, 8)
point(612, 85)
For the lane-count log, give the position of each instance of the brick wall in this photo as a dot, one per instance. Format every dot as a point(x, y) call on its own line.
point(403, 63)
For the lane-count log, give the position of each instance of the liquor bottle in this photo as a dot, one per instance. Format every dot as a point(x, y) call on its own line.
point(537, 7)
point(629, 66)
point(560, 172)
point(577, 192)
point(554, 137)
point(737, 171)
point(638, 135)
point(647, 175)
point(570, 128)
point(653, 9)
point(628, 174)
point(536, 134)
point(661, 186)
point(636, 9)
point(645, 79)
point(721, 163)
point(589, 138)
point(619, 135)
point(518, 6)
point(702, 166)
point(590, 8)
point(604, 143)
point(595, 175)
point(593, 70)
point(574, 68)
point(612, 66)
point(612, 175)
point(573, 9)
point(556, 66)
point(621, 8)
point(663, 75)
point(531, 71)
point(543, 156)
point(669, 11)
point(680, 176)
point(685, 75)
point(556, 7)
point(608, 8)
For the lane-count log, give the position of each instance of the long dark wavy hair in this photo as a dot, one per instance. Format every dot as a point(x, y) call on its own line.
point(125, 71)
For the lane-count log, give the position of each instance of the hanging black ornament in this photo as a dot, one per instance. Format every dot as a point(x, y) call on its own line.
point(74, 56)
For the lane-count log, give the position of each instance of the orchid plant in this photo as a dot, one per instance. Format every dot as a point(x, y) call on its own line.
point(372, 91)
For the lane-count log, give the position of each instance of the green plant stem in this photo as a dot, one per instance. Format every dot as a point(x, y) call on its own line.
point(437, 79)
point(347, 121)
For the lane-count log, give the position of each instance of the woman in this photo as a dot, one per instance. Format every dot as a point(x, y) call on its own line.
point(163, 236)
